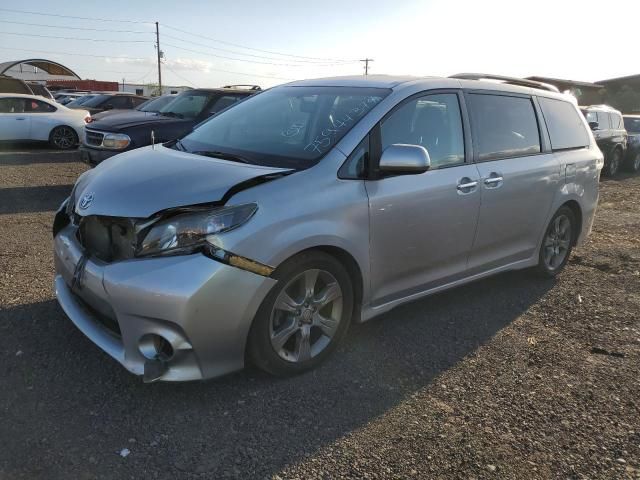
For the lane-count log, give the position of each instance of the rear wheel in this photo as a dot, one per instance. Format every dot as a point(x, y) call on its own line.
point(557, 243)
point(63, 138)
point(613, 166)
point(304, 317)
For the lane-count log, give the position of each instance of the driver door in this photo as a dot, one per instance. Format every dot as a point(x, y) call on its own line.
point(15, 124)
point(422, 226)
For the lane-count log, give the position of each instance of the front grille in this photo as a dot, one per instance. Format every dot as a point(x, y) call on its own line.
point(107, 238)
point(93, 138)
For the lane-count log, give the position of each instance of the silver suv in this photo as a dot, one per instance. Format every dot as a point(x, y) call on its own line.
point(263, 233)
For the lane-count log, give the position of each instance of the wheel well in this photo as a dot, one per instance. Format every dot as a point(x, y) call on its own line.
point(64, 125)
point(352, 268)
point(577, 213)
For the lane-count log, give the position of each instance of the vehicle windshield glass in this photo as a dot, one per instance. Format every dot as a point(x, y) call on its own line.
point(632, 124)
point(95, 101)
point(187, 104)
point(156, 104)
point(80, 100)
point(286, 126)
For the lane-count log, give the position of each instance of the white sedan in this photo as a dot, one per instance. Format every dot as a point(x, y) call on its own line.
point(34, 118)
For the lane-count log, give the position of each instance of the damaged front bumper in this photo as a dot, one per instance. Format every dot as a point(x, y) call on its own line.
point(196, 310)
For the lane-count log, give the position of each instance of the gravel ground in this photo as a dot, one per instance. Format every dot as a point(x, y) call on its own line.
point(511, 377)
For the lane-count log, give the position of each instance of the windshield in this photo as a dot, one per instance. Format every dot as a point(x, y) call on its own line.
point(155, 104)
point(95, 101)
point(632, 124)
point(187, 104)
point(286, 126)
point(80, 100)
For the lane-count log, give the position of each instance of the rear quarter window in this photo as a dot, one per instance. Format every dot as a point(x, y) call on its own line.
point(566, 128)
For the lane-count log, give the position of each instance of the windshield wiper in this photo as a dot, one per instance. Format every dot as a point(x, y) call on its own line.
point(222, 155)
point(172, 114)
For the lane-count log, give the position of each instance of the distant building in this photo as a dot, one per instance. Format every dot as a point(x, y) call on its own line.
point(37, 70)
point(586, 93)
point(623, 93)
point(150, 89)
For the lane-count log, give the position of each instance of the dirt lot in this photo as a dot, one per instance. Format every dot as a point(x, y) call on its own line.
point(512, 377)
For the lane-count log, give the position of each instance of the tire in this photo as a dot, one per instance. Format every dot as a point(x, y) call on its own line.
point(612, 167)
point(276, 341)
point(634, 162)
point(557, 243)
point(63, 138)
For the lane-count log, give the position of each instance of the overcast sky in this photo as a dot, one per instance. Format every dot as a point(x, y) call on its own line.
point(556, 38)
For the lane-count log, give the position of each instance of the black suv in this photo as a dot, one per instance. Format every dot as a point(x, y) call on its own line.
point(118, 133)
point(632, 125)
point(14, 85)
point(608, 129)
point(110, 101)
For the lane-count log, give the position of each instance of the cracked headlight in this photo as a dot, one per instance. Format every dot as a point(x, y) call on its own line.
point(116, 141)
point(187, 232)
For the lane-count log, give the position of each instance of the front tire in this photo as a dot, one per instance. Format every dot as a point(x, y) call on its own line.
point(63, 138)
point(557, 243)
point(634, 163)
point(304, 317)
point(612, 167)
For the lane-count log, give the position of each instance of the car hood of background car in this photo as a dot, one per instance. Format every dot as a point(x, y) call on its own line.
point(122, 121)
point(144, 181)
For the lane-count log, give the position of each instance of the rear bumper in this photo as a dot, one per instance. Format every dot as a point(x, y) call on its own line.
point(94, 156)
point(203, 308)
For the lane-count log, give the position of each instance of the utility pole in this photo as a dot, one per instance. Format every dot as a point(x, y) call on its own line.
point(366, 65)
point(123, 84)
point(159, 57)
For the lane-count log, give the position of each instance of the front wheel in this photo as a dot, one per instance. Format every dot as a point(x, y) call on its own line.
point(634, 162)
point(304, 317)
point(63, 138)
point(613, 166)
point(557, 243)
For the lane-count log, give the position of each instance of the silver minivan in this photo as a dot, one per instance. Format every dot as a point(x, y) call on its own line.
point(263, 233)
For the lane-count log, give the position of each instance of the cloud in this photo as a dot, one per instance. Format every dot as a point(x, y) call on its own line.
point(184, 64)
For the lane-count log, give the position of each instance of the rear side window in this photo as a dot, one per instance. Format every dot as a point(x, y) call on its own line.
point(566, 128)
point(616, 121)
point(119, 101)
point(603, 121)
point(36, 106)
point(505, 126)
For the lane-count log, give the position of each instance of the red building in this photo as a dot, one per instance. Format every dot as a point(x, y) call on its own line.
point(94, 85)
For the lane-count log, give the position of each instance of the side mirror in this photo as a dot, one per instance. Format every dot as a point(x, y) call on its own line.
point(594, 125)
point(408, 159)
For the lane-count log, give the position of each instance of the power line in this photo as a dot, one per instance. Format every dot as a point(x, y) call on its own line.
point(74, 38)
point(236, 59)
point(72, 53)
point(66, 27)
point(254, 49)
point(235, 52)
point(180, 76)
point(71, 16)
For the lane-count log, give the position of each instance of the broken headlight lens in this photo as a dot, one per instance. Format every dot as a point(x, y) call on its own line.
point(187, 232)
point(116, 141)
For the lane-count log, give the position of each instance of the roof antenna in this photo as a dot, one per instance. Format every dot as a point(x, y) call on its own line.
point(153, 140)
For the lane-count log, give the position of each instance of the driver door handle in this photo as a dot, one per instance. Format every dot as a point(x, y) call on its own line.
point(465, 186)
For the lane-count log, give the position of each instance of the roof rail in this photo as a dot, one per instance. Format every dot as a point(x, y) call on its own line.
point(248, 87)
point(523, 82)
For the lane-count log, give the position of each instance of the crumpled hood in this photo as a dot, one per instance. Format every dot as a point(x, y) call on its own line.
point(144, 181)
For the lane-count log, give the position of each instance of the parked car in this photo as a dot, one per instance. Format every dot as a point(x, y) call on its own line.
point(608, 130)
point(69, 98)
point(112, 101)
point(153, 105)
point(39, 89)
point(632, 126)
point(80, 100)
point(268, 229)
point(13, 85)
point(33, 118)
point(118, 133)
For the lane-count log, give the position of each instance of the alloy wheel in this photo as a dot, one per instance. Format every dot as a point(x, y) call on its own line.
point(63, 137)
point(557, 242)
point(615, 163)
point(306, 315)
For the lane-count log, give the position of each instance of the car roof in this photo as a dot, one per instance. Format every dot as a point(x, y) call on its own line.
point(221, 90)
point(23, 95)
point(631, 116)
point(373, 81)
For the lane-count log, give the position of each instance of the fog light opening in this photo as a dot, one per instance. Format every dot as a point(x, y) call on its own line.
point(155, 347)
